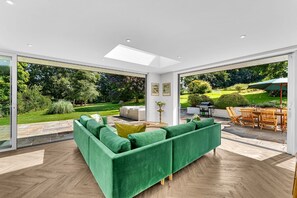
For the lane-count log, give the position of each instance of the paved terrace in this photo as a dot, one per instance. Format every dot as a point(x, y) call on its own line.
point(59, 130)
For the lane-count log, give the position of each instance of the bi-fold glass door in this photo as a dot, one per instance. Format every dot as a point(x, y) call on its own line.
point(8, 94)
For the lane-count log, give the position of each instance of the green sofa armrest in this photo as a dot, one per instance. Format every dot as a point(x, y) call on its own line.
point(129, 173)
point(190, 146)
point(101, 165)
point(81, 137)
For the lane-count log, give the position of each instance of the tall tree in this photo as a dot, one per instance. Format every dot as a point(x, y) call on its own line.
point(55, 81)
point(273, 70)
point(23, 76)
point(136, 86)
point(245, 75)
point(216, 79)
point(4, 89)
point(84, 87)
point(117, 87)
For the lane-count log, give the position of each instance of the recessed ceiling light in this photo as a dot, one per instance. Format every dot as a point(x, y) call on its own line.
point(179, 57)
point(30, 45)
point(10, 2)
point(128, 40)
point(242, 36)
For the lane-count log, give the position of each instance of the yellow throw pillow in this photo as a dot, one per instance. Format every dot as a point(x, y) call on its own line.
point(125, 129)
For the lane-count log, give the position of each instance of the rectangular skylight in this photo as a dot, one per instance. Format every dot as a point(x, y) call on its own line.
point(131, 55)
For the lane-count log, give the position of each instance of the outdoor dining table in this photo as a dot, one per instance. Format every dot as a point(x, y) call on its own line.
point(277, 113)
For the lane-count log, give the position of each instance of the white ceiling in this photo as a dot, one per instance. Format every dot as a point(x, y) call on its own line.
point(200, 32)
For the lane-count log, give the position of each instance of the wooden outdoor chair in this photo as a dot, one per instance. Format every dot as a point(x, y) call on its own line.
point(233, 116)
point(247, 117)
point(268, 118)
point(285, 119)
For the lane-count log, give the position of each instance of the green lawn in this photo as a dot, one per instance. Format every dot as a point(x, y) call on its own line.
point(255, 98)
point(113, 109)
point(103, 109)
point(258, 98)
point(215, 94)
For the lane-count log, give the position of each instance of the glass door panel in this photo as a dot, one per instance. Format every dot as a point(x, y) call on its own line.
point(6, 138)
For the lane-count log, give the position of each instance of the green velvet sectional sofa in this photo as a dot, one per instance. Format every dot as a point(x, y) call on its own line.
point(126, 172)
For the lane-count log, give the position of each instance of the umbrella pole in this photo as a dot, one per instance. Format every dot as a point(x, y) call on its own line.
point(281, 97)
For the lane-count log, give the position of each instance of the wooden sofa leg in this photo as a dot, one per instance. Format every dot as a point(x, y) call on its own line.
point(214, 151)
point(170, 177)
point(162, 182)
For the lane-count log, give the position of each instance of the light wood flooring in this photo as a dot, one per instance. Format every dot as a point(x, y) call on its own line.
point(237, 170)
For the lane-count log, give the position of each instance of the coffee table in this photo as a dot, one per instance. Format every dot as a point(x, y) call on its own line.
point(150, 124)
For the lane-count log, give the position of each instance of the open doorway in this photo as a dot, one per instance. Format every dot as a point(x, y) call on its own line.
point(50, 97)
point(211, 94)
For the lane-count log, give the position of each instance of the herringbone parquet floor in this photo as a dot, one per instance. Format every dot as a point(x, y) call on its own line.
point(58, 170)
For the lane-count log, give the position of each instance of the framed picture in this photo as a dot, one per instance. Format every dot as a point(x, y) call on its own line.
point(166, 89)
point(155, 89)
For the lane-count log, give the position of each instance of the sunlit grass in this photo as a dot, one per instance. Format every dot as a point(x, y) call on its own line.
point(104, 109)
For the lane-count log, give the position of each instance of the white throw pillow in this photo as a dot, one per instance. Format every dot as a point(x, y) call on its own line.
point(98, 118)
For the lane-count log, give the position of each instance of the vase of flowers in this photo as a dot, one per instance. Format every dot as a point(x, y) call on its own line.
point(160, 104)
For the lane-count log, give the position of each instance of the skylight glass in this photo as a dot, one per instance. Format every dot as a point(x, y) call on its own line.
point(131, 55)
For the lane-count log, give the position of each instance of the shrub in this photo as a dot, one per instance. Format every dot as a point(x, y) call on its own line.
point(31, 99)
point(273, 104)
point(196, 99)
point(4, 109)
point(60, 107)
point(234, 100)
point(199, 87)
point(268, 104)
point(237, 87)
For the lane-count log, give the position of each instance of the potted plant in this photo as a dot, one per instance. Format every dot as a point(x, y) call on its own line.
point(160, 104)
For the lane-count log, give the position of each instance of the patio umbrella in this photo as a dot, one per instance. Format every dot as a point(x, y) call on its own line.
point(278, 84)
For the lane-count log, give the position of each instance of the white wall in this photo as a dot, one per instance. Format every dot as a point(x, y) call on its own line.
point(292, 107)
point(170, 114)
point(151, 108)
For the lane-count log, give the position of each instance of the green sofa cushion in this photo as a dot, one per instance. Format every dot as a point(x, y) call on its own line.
point(84, 119)
point(204, 123)
point(94, 127)
point(179, 129)
point(112, 129)
point(125, 129)
point(142, 139)
point(114, 142)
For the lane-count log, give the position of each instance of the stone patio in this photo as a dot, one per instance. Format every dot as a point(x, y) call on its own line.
point(246, 132)
point(44, 132)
